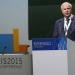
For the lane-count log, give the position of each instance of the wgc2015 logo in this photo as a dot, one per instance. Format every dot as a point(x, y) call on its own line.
point(49, 44)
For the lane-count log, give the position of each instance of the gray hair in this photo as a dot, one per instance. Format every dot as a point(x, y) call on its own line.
point(66, 3)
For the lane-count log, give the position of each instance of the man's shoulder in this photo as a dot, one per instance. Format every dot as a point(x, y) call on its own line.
point(59, 20)
point(73, 16)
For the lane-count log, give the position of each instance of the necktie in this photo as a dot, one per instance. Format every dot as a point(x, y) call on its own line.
point(67, 21)
point(66, 30)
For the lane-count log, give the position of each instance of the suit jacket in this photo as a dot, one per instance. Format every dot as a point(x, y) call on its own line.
point(59, 29)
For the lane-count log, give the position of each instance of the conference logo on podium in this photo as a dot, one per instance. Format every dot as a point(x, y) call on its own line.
point(49, 44)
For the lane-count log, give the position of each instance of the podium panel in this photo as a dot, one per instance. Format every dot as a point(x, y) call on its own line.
point(49, 56)
point(50, 62)
point(15, 64)
point(71, 57)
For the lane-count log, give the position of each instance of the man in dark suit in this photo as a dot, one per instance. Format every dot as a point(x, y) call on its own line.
point(65, 27)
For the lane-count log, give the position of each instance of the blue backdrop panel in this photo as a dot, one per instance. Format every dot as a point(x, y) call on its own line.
point(49, 44)
point(6, 43)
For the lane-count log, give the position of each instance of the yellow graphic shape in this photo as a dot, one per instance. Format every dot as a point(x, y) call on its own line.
point(16, 40)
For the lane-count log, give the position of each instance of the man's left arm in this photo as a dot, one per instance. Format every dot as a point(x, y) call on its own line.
point(56, 33)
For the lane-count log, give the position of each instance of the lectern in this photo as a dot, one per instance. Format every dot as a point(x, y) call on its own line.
point(15, 64)
point(53, 56)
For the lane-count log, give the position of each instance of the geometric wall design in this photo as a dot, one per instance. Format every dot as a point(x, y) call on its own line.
point(6, 40)
point(10, 43)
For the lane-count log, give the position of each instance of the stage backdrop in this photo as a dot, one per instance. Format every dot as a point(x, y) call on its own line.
point(31, 19)
point(14, 26)
point(42, 15)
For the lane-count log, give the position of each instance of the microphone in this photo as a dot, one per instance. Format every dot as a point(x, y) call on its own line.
point(4, 50)
point(26, 48)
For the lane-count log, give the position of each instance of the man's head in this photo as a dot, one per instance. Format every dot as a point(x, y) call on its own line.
point(66, 9)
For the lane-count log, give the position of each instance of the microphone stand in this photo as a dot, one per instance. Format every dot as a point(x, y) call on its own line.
point(50, 32)
point(4, 50)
